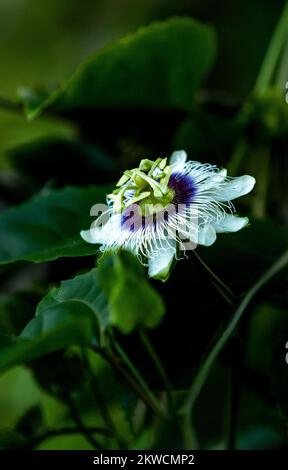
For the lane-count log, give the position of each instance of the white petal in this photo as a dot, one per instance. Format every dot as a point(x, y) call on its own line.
point(160, 263)
point(231, 223)
point(92, 235)
point(206, 235)
point(178, 160)
point(214, 179)
point(235, 188)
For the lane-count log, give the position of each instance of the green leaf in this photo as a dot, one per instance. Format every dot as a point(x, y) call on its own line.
point(116, 294)
point(81, 309)
point(132, 300)
point(78, 297)
point(160, 66)
point(48, 225)
point(38, 339)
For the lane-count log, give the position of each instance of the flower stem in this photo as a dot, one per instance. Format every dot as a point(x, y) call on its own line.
point(203, 372)
point(275, 47)
point(225, 291)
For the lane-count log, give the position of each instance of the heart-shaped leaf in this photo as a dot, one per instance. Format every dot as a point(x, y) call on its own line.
point(160, 66)
point(48, 225)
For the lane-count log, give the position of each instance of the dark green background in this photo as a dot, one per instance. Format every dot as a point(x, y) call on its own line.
point(42, 42)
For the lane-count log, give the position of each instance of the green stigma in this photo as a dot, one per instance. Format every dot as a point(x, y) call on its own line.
point(150, 185)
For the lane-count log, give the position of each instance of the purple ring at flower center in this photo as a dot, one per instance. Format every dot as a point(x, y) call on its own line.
point(184, 190)
point(183, 187)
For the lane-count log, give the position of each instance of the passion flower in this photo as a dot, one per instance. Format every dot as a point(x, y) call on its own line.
point(162, 208)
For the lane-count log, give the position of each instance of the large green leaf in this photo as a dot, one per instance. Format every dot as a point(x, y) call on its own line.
point(160, 66)
point(42, 335)
point(48, 226)
point(83, 308)
point(116, 293)
point(132, 300)
point(71, 330)
point(79, 296)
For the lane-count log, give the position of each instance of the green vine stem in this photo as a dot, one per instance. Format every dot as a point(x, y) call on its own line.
point(158, 364)
point(201, 376)
point(220, 285)
point(282, 74)
point(119, 365)
point(271, 59)
point(140, 380)
point(68, 400)
point(264, 79)
point(234, 387)
point(106, 417)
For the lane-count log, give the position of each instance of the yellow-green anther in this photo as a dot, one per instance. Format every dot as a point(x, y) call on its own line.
point(124, 179)
point(138, 198)
point(145, 164)
point(138, 179)
point(157, 190)
point(116, 191)
point(127, 186)
point(154, 166)
point(162, 164)
point(119, 200)
point(167, 171)
point(154, 184)
point(160, 175)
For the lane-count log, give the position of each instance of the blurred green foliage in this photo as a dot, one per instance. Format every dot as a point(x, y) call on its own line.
point(163, 88)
